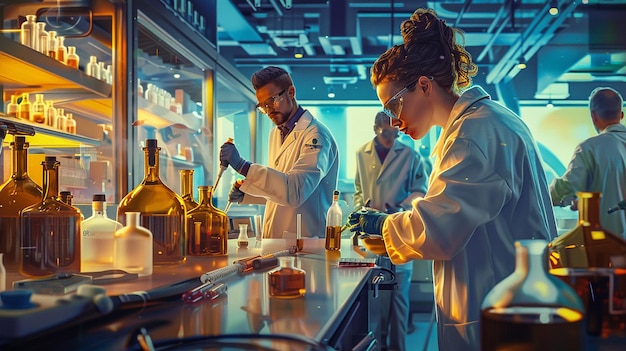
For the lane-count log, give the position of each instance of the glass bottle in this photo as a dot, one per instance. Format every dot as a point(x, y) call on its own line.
point(287, 281)
point(592, 259)
point(103, 71)
point(531, 309)
point(17, 193)
point(61, 119)
point(98, 238)
point(23, 110)
point(38, 109)
point(51, 114)
point(133, 246)
point(139, 88)
point(70, 123)
point(242, 240)
point(61, 50)
point(28, 30)
point(186, 189)
point(333, 224)
point(210, 237)
point(50, 230)
point(12, 107)
point(93, 69)
point(162, 210)
point(43, 37)
point(66, 196)
point(52, 44)
point(73, 60)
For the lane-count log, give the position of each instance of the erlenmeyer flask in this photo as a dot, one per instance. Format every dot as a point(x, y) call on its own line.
point(207, 227)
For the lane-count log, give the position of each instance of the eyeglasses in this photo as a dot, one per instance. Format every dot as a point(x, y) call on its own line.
point(270, 104)
point(393, 106)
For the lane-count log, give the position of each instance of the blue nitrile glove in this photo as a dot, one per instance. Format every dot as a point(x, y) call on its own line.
point(367, 220)
point(235, 195)
point(229, 154)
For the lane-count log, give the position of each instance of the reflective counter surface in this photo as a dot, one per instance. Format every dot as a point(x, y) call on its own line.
point(331, 296)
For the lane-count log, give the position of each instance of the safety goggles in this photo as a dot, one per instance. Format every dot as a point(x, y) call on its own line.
point(393, 106)
point(270, 104)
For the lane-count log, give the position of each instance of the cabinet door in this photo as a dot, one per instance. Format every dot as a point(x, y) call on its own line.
point(81, 132)
point(171, 107)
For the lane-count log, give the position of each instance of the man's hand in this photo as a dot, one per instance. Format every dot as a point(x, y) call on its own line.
point(235, 195)
point(230, 155)
point(367, 220)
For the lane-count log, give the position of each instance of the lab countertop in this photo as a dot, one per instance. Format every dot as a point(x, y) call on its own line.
point(246, 307)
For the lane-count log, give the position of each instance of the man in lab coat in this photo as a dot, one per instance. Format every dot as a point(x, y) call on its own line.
point(303, 162)
point(599, 163)
point(389, 176)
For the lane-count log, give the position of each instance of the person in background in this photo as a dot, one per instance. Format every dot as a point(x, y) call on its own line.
point(487, 189)
point(599, 162)
point(389, 176)
point(303, 159)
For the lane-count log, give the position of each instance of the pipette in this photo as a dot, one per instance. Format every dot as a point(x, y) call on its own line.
point(223, 166)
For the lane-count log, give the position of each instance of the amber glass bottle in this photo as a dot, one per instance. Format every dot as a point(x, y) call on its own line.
point(162, 210)
point(207, 227)
point(592, 260)
point(186, 189)
point(17, 193)
point(50, 230)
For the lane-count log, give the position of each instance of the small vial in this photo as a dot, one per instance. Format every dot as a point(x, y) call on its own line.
point(242, 240)
point(287, 281)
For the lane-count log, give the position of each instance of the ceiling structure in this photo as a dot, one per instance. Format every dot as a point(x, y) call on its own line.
point(567, 54)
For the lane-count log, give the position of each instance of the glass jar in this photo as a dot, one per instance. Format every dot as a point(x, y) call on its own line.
point(23, 109)
point(242, 239)
point(592, 260)
point(287, 281)
point(50, 230)
point(12, 107)
point(17, 193)
point(531, 309)
point(98, 237)
point(28, 32)
point(186, 189)
point(72, 57)
point(207, 227)
point(38, 110)
point(162, 210)
point(133, 243)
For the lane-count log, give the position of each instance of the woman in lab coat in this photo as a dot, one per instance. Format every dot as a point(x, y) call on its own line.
point(487, 189)
point(303, 162)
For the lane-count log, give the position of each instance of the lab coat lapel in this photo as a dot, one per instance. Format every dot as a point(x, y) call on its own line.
point(393, 154)
point(301, 125)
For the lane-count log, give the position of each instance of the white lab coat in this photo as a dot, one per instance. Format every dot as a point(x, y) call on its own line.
point(397, 181)
point(488, 190)
point(598, 165)
point(301, 179)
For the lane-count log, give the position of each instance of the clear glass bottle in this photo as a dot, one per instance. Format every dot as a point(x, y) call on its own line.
point(51, 114)
point(93, 69)
point(592, 260)
point(212, 237)
point(287, 281)
point(61, 50)
point(98, 238)
point(103, 71)
point(133, 246)
point(531, 309)
point(186, 189)
point(23, 110)
point(12, 107)
point(333, 224)
point(61, 119)
point(28, 31)
point(242, 239)
point(50, 230)
point(162, 210)
point(43, 37)
point(70, 123)
point(73, 60)
point(139, 88)
point(52, 44)
point(38, 109)
point(16, 193)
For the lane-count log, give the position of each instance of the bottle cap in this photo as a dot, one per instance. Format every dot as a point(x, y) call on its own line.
point(151, 143)
point(99, 197)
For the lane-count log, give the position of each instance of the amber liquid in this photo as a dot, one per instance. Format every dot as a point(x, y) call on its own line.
point(333, 238)
point(72, 62)
point(531, 328)
point(50, 244)
point(287, 283)
point(167, 235)
point(242, 243)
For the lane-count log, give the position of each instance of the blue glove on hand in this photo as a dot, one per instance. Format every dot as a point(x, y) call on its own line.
point(367, 220)
point(230, 155)
point(235, 195)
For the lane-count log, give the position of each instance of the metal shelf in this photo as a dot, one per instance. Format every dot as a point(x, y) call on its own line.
point(46, 136)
